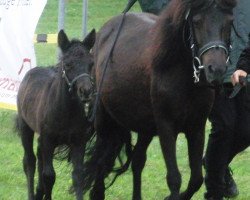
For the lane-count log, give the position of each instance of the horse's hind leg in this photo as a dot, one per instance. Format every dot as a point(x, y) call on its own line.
point(77, 156)
point(138, 163)
point(110, 139)
point(111, 148)
point(195, 150)
point(39, 189)
point(29, 159)
point(48, 173)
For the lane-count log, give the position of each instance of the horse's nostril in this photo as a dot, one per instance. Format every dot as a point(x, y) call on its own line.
point(87, 93)
point(211, 69)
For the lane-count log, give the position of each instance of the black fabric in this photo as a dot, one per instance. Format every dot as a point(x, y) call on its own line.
point(153, 6)
point(230, 134)
point(242, 25)
point(244, 60)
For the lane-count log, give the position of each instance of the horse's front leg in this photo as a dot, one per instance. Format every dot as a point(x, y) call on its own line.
point(195, 140)
point(77, 157)
point(167, 137)
point(138, 163)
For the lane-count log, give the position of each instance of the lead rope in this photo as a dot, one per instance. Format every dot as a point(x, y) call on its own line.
point(97, 99)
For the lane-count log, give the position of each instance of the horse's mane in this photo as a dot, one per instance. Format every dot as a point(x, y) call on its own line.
point(168, 31)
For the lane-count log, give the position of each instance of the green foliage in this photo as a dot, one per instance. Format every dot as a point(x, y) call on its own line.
point(12, 178)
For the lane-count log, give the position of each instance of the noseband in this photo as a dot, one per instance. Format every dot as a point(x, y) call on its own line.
point(72, 83)
point(197, 53)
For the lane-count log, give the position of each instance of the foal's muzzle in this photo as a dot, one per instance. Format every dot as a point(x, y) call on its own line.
point(85, 93)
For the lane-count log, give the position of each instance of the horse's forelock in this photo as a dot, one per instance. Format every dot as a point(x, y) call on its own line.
point(76, 48)
point(204, 4)
point(75, 51)
point(178, 8)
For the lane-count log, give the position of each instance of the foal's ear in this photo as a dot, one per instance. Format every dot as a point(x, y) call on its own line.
point(89, 40)
point(63, 41)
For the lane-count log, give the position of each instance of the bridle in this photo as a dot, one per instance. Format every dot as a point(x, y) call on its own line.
point(197, 53)
point(72, 82)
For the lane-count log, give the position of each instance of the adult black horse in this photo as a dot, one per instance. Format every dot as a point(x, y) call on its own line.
point(160, 80)
point(51, 102)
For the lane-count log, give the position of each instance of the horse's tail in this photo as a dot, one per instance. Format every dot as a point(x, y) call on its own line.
point(102, 156)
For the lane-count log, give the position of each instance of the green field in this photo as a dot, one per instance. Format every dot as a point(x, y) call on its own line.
point(12, 178)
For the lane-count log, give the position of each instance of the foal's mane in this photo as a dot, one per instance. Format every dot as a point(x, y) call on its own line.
point(168, 32)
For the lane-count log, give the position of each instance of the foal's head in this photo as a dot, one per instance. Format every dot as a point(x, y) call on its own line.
point(76, 64)
point(210, 23)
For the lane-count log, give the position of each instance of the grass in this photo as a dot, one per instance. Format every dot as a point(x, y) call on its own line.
point(12, 178)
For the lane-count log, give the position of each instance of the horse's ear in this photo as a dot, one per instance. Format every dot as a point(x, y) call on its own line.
point(89, 40)
point(63, 41)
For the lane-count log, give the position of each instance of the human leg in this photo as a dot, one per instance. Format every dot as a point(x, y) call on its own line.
point(222, 118)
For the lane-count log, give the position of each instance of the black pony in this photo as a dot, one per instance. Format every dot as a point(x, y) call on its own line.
point(51, 102)
point(160, 80)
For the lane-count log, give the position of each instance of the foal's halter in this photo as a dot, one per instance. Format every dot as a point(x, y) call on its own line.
point(197, 53)
point(72, 83)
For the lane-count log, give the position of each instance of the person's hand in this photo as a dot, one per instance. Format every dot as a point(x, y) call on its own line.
point(236, 75)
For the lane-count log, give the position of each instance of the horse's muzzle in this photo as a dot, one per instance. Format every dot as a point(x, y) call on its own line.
point(85, 94)
point(215, 74)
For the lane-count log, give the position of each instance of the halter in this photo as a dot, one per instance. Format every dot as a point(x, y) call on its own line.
point(72, 83)
point(197, 54)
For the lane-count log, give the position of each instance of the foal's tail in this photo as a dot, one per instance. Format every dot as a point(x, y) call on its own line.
point(102, 156)
point(18, 125)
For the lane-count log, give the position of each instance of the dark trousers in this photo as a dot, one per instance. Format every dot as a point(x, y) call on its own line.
point(230, 134)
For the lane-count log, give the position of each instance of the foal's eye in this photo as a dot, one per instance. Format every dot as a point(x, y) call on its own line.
point(67, 66)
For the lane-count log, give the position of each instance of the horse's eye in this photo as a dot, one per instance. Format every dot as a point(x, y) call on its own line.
point(91, 64)
point(197, 20)
point(231, 19)
point(68, 67)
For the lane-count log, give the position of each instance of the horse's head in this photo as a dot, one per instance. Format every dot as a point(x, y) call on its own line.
point(210, 23)
point(76, 63)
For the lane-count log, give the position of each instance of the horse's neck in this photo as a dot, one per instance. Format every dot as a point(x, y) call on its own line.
point(61, 96)
point(173, 60)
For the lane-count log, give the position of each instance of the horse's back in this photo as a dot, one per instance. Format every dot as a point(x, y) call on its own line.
point(33, 92)
point(126, 87)
point(135, 28)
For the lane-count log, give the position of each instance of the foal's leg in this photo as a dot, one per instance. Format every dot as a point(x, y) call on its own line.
point(77, 156)
point(39, 188)
point(48, 174)
point(138, 163)
point(195, 140)
point(29, 159)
